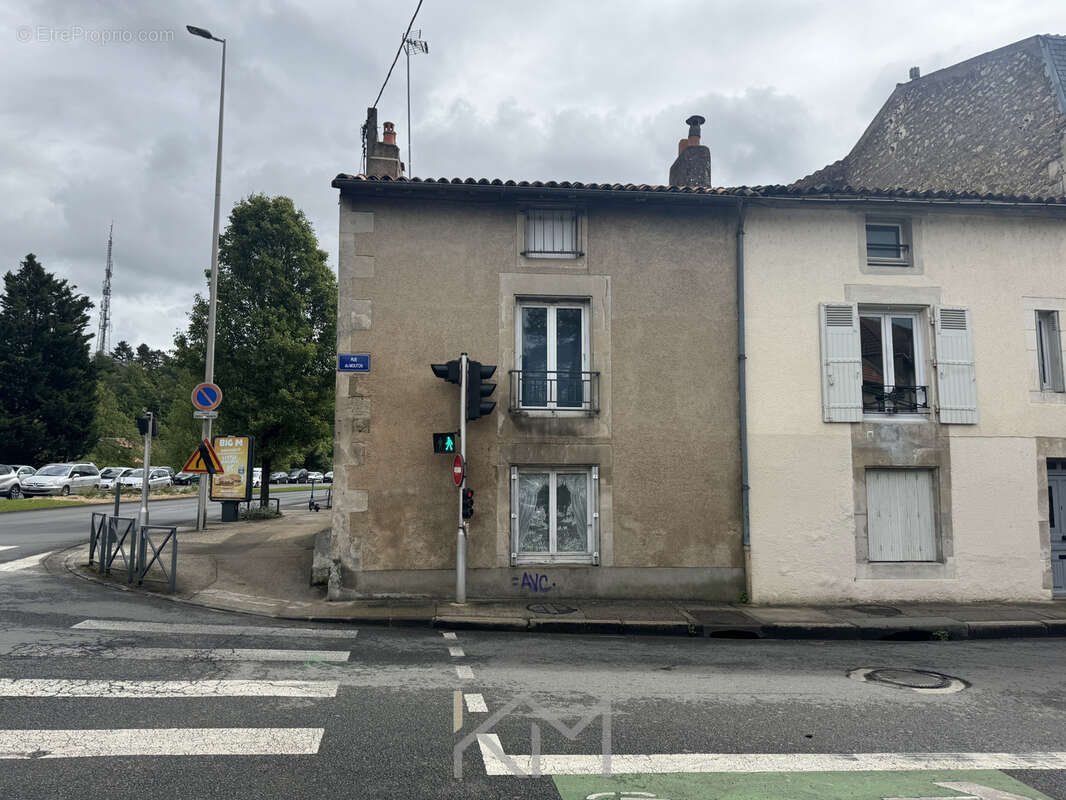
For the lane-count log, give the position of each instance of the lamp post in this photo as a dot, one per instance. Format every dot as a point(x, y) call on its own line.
point(209, 364)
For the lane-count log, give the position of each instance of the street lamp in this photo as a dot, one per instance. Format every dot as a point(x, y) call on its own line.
point(209, 364)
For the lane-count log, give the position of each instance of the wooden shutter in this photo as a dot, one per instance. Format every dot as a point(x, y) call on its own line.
point(841, 363)
point(1054, 353)
point(900, 520)
point(956, 374)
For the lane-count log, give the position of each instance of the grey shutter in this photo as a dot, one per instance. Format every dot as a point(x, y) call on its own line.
point(514, 516)
point(956, 373)
point(841, 362)
point(900, 521)
point(594, 525)
point(1054, 353)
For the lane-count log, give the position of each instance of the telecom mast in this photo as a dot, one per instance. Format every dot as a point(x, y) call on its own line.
point(103, 338)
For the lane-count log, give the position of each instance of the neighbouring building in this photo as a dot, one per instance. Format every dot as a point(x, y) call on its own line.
point(994, 123)
point(610, 466)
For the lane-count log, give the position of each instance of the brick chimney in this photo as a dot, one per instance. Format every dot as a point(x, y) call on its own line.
point(382, 157)
point(693, 164)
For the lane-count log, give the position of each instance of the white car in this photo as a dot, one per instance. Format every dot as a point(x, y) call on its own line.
point(62, 479)
point(317, 477)
point(157, 479)
point(257, 477)
point(109, 476)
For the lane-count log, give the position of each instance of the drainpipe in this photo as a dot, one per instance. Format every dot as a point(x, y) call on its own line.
point(742, 375)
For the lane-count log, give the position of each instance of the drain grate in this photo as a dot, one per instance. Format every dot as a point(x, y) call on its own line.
point(550, 608)
point(917, 680)
point(877, 611)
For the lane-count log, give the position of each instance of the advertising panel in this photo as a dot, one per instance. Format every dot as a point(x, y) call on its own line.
point(236, 454)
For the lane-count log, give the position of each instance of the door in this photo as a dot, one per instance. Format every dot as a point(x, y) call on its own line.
point(1056, 492)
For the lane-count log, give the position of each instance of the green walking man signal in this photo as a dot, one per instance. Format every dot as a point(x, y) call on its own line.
point(446, 442)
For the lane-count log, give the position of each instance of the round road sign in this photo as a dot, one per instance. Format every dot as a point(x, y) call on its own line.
point(206, 396)
point(458, 470)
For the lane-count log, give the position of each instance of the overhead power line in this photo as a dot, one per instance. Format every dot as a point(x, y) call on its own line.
point(403, 40)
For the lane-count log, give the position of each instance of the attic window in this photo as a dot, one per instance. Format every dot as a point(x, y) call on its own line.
point(886, 243)
point(551, 233)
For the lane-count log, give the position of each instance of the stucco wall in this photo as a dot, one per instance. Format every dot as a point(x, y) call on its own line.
point(804, 540)
point(422, 280)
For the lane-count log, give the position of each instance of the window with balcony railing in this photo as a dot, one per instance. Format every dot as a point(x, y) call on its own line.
point(565, 391)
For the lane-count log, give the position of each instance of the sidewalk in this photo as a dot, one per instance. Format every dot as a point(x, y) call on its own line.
point(264, 568)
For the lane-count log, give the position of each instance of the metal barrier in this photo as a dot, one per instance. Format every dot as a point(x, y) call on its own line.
point(97, 534)
point(121, 540)
point(145, 562)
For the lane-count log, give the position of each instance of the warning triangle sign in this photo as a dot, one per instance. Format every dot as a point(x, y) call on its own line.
point(204, 460)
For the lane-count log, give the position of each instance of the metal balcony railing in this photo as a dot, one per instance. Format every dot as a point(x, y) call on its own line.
point(557, 391)
point(876, 397)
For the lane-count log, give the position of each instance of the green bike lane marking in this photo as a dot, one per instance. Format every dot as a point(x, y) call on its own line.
point(982, 784)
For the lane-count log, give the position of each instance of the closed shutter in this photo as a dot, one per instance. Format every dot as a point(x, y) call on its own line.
point(900, 522)
point(1054, 353)
point(514, 516)
point(956, 374)
point(841, 363)
point(594, 524)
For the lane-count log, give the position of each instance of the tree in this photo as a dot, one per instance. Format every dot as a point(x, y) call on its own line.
point(119, 440)
point(122, 353)
point(275, 332)
point(48, 401)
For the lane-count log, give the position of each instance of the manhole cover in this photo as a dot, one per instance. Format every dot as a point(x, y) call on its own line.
point(878, 611)
point(918, 680)
point(550, 608)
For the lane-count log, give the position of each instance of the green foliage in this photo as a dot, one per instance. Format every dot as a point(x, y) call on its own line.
point(119, 442)
point(275, 346)
point(48, 398)
point(259, 512)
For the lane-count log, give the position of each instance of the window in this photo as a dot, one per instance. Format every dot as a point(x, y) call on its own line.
point(553, 514)
point(1049, 351)
point(551, 233)
point(553, 356)
point(892, 369)
point(900, 519)
point(886, 244)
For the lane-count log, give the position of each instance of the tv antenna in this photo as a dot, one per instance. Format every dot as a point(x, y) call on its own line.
point(413, 43)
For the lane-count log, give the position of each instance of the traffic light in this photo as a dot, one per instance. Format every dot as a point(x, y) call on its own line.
point(468, 503)
point(445, 442)
point(449, 371)
point(476, 406)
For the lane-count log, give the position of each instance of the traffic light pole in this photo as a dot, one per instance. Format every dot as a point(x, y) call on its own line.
point(460, 542)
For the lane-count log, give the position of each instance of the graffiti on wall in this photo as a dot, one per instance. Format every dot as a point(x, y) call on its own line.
point(534, 582)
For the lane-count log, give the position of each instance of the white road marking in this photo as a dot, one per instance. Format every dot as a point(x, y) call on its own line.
point(475, 704)
point(221, 630)
point(448, 635)
point(9, 547)
point(24, 563)
point(465, 673)
point(159, 742)
point(456, 652)
point(10, 687)
point(496, 762)
point(175, 653)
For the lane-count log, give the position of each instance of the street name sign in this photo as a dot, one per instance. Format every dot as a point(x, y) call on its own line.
point(353, 362)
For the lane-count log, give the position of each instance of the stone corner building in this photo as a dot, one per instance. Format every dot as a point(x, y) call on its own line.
point(995, 123)
point(610, 465)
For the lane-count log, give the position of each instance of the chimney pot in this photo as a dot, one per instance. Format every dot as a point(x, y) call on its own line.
point(915, 73)
point(390, 133)
point(693, 164)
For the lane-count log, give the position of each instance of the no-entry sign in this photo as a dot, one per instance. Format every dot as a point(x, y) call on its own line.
point(458, 470)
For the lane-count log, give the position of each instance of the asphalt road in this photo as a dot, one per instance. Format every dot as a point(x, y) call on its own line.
point(267, 709)
point(35, 532)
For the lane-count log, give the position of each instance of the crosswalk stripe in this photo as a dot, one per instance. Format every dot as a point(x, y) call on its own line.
point(475, 704)
point(176, 653)
point(9, 547)
point(464, 673)
point(24, 563)
point(456, 652)
point(448, 635)
point(222, 630)
point(26, 687)
point(34, 744)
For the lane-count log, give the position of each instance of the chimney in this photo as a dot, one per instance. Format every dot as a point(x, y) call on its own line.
point(382, 157)
point(693, 164)
point(915, 73)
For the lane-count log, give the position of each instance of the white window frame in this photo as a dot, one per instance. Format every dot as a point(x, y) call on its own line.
point(552, 363)
point(536, 220)
point(1049, 351)
point(886, 313)
point(904, 259)
point(552, 556)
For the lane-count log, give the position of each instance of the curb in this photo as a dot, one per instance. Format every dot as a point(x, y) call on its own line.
point(945, 629)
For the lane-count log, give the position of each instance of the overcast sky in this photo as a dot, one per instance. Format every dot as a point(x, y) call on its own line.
point(98, 125)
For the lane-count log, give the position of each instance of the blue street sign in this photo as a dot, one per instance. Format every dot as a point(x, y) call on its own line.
point(206, 396)
point(353, 362)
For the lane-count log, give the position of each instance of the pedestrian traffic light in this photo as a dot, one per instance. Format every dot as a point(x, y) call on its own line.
point(449, 371)
point(476, 390)
point(468, 503)
point(446, 442)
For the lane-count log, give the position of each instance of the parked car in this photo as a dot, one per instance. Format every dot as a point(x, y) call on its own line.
point(257, 477)
point(170, 471)
point(23, 470)
point(158, 477)
point(298, 476)
point(109, 476)
point(10, 486)
point(186, 478)
point(279, 477)
point(317, 477)
point(328, 477)
point(62, 479)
